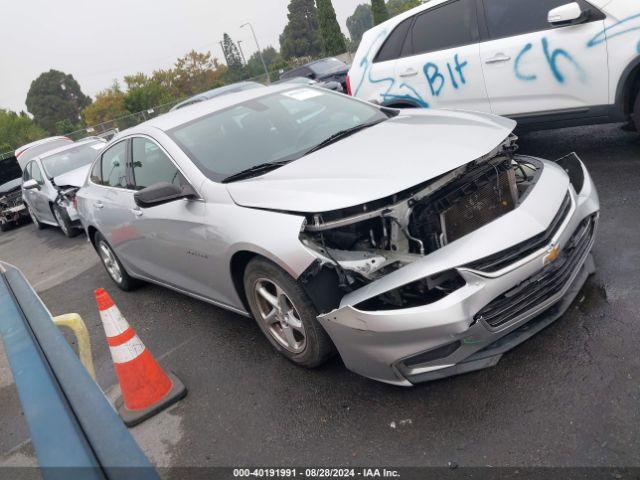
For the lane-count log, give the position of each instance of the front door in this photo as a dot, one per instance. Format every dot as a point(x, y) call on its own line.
point(533, 67)
point(172, 245)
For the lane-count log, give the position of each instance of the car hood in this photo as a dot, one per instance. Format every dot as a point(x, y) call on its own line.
point(395, 155)
point(74, 178)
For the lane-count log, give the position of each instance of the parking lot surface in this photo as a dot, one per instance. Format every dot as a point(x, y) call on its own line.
point(567, 397)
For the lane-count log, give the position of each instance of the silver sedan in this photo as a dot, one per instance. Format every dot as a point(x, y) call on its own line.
point(416, 244)
point(51, 180)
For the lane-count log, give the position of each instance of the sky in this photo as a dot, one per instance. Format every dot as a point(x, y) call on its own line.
point(98, 42)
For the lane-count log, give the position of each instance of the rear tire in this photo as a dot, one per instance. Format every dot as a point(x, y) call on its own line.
point(4, 227)
point(63, 221)
point(112, 265)
point(285, 314)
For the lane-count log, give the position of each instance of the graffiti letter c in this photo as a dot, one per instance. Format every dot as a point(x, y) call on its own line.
point(516, 65)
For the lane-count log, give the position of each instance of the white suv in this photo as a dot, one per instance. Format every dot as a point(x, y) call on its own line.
point(545, 63)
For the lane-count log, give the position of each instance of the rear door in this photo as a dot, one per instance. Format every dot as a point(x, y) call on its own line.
point(534, 67)
point(440, 58)
point(109, 201)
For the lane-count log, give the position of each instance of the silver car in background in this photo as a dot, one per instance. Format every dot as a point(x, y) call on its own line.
point(51, 180)
point(416, 243)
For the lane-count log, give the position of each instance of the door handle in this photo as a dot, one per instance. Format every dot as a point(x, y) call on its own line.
point(98, 205)
point(498, 58)
point(137, 212)
point(409, 72)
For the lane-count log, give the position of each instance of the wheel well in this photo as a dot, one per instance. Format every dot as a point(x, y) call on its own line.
point(91, 231)
point(402, 105)
point(238, 265)
point(631, 90)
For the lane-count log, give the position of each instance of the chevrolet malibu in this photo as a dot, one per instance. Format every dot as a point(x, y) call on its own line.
point(416, 244)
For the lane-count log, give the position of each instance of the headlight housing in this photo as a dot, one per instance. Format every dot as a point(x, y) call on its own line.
point(415, 294)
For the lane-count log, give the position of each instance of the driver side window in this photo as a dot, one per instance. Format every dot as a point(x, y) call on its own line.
point(36, 173)
point(151, 165)
point(114, 166)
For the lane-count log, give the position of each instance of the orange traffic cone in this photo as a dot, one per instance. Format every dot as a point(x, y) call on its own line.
point(146, 388)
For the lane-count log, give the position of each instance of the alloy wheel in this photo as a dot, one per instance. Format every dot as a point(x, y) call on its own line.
point(279, 316)
point(110, 262)
point(61, 222)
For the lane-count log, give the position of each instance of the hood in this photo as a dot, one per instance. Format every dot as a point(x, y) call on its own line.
point(10, 186)
point(74, 178)
point(390, 157)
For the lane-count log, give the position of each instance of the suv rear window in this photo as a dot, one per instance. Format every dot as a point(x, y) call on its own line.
point(392, 47)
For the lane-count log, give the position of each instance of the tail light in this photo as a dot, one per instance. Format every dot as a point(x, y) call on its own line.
point(349, 92)
point(74, 202)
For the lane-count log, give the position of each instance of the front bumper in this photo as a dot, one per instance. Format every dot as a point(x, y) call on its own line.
point(449, 337)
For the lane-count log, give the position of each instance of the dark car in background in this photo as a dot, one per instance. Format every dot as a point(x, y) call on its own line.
point(12, 209)
point(324, 71)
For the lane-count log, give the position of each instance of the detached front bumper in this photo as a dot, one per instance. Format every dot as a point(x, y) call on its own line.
point(472, 327)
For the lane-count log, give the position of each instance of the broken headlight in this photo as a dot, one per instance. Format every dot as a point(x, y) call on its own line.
point(415, 294)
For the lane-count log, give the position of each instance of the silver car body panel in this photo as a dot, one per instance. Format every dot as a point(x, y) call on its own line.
point(190, 245)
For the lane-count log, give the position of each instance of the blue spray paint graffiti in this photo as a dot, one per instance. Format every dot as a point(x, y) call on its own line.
point(552, 57)
point(387, 97)
point(619, 28)
point(437, 80)
point(516, 65)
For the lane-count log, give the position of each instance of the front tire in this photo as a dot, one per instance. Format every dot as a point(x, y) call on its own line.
point(285, 314)
point(112, 265)
point(63, 221)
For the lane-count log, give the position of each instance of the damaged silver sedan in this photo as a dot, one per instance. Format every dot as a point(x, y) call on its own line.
point(416, 244)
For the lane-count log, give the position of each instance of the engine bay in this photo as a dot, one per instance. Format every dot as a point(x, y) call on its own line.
point(366, 242)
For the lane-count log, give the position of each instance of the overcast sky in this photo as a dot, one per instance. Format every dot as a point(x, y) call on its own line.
point(100, 41)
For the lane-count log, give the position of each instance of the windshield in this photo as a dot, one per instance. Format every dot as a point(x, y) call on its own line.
point(274, 128)
point(72, 158)
point(326, 66)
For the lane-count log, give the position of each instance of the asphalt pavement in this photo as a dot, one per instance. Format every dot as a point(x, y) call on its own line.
point(570, 396)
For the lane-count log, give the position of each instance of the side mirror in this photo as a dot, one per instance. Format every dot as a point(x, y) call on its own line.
point(161, 193)
point(569, 14)
point(31, 185)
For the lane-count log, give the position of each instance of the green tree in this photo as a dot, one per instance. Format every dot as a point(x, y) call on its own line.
point(233, 58)
point(53, 97)
point(254, 64)
point(333, 41)
point(380, 13)
point(17, 129)
point(359, 22)
point(108, 105)
point(396, 7)
point(144, 92)
point(301, 37)
point(67, 126)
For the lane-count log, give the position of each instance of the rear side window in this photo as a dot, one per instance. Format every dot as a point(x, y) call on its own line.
point(151, 165)
point(392, 47)
point(114, 166)
point(96, 172)
point(451, 25)
point(508, 18)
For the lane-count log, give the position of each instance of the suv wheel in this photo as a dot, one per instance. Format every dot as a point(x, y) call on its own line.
point(63, 221)
point(285, 314)
point(113, 266)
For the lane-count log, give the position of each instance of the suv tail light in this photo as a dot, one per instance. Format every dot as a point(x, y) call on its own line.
point(349, 92)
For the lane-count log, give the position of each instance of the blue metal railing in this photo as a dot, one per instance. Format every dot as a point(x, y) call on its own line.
point(74, 430)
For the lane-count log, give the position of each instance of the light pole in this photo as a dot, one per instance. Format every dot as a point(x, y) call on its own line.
point(264, 65)
point(244, 60)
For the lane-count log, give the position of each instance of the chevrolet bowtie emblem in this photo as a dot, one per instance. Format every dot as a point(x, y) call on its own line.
point(552, 255)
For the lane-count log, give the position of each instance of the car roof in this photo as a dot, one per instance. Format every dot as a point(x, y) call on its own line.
point(42, 141)
point(215, 92)
point(70, 146)
point(181, 116)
